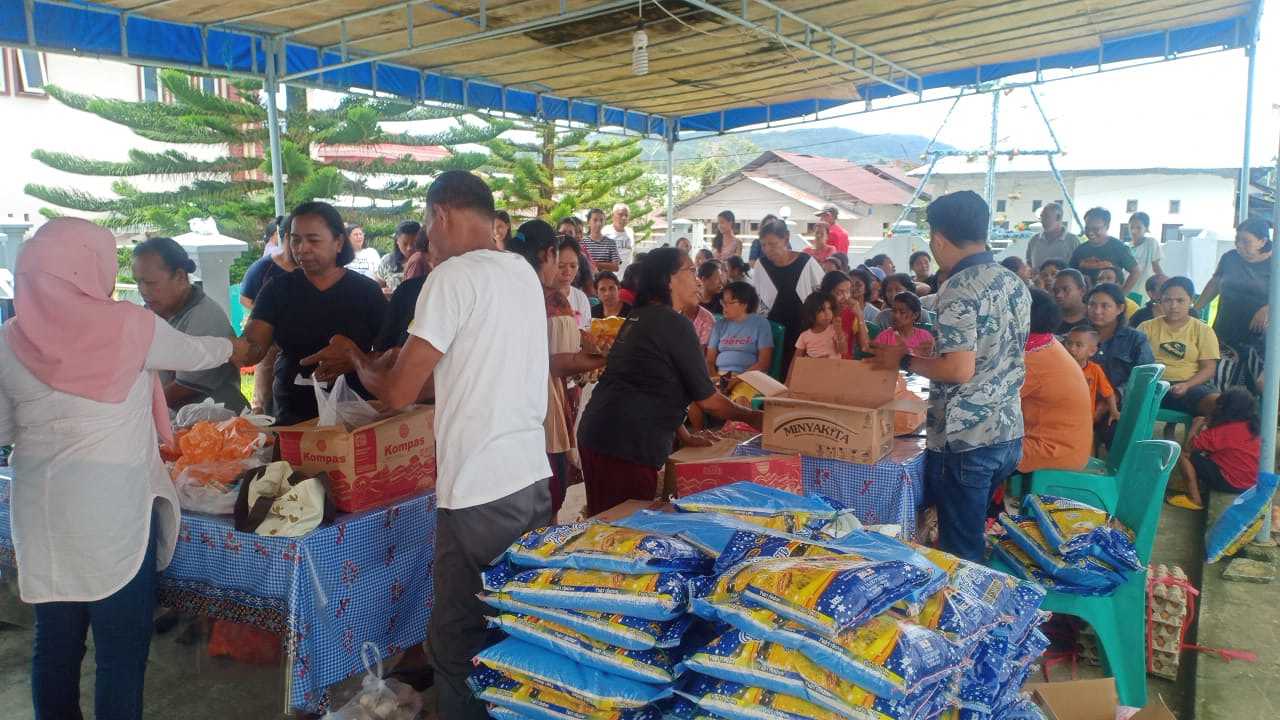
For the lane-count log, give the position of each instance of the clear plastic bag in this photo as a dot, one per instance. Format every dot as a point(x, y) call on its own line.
point(342, 406)
point(208, 410)
point(210, 487)
point(379, 699)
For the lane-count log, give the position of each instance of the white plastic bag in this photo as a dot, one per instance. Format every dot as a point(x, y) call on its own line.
point(213, 498)
point(342, 406)
point(379, 699)
point(208, 410)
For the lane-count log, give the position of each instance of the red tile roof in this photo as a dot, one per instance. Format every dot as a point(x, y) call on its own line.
point(853, 179)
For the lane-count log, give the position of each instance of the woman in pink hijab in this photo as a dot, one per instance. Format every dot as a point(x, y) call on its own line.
point(94, 514)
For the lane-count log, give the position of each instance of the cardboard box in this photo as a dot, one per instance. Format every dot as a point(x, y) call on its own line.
point(1088, 700)
point(369, 465)
point(720, 449)
point(830, 408)
point(776, 471)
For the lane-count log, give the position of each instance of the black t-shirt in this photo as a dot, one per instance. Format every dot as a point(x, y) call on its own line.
point(597, 310)
point(262, 271)
point(656, 368)
point(716, 306)
point(1089, 259)
point(1243, 290)
point(304, 319)
point(395, 329)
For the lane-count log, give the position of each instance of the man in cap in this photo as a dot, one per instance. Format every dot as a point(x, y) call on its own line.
point(836, 235)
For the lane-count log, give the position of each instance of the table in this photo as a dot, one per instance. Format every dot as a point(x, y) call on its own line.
point(886, 493)
point(367, 577)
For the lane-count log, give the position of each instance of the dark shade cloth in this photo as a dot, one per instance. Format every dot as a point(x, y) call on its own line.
point(395, 328)
point(610, 481)
point(304, 319)
point(262, 271)
point(788, 307)
point(1242, 287)
point(597, 310)
point(656, 369)
point(1089, 259)
point(1121, 353)
point(467, 540)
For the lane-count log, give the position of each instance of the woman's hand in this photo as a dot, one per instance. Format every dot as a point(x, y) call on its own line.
point(241, 352)
point(1179, 389)
point(1261, 319)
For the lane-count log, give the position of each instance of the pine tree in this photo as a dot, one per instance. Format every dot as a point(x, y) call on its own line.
point(236, 190)
point(560, 172)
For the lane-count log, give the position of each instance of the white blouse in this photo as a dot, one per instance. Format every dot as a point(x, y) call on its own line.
point(86, 474)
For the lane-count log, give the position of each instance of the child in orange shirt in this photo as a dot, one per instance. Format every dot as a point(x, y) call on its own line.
point(1082, 343)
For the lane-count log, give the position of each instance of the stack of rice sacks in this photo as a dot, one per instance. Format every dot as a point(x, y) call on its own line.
point(1067, 546)
point(813, 627)
point(595, 617)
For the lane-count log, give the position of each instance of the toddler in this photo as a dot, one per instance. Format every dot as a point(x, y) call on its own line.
point(1082, 343)
point(819, 338)
point(1223, 450)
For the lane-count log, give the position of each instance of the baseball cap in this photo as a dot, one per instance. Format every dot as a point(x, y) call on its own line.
point(829, 209)
point(879, 274)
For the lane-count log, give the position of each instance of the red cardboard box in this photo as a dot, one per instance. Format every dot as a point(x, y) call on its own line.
point(775, 471)
point(370, 465)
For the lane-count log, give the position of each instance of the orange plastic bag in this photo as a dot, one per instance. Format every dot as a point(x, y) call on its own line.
point(219, 444)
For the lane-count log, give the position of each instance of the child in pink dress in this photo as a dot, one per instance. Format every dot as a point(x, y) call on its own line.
point(906, 313)
point(819, 340)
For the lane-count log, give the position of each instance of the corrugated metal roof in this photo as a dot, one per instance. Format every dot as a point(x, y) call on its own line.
point(853, 179)
point(813, 202)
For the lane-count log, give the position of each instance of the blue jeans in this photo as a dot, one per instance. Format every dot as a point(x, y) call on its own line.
point(960, 485)
point(121, 625)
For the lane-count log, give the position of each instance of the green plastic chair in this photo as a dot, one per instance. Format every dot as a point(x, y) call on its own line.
point(779, 338)
point(872, 330)
point(1176, 418)
point(1119, 619)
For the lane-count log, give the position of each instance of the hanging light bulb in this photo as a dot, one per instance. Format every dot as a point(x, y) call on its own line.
point(640, 51)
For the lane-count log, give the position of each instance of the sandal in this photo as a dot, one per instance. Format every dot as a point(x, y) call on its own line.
point(1184, 502)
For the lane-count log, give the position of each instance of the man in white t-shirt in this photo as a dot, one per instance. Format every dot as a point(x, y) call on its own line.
point(478, 309)
point(620, 233)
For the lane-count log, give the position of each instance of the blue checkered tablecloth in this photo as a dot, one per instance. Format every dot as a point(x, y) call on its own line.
point(887, 492)
point(367, 577)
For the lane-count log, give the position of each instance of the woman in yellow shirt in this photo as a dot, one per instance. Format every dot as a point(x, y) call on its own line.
point(1187, 347)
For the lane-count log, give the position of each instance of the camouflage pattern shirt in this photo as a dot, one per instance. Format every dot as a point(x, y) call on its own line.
point(985, 309)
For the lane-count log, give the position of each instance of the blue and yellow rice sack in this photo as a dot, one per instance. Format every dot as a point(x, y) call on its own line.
point(530, 664)
point(657, 596)
point(623, 631)
point(648, 666)
point(520, 698)
point(1080, 531)
point(764, 506)
point(607, 548)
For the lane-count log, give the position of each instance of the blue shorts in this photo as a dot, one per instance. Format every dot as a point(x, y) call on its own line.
point(960, 485)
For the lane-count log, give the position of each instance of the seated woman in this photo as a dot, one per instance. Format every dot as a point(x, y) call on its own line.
point(655, 372)
point(1120, 347)
point(162, 270)
point(609, 290)
point(1187, 347)
point(303, 310)
point(1057, 413)
point(742, 340)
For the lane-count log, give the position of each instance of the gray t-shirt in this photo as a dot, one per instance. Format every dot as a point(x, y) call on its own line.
point(202, 317)
point(1060, 248)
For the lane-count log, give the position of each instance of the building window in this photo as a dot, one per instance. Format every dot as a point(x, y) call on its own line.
point(209, 85)
point(30, 73)
point(1001, 205)
point(1175, 207)
point(755, 226)
point(149, 81)
point(1036, 205)
point(1131, 206)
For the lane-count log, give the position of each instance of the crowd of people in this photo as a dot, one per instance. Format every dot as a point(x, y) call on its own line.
point(1028, 359)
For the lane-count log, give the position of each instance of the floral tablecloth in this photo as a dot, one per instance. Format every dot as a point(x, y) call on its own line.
point(367, 577)
point(888, 492)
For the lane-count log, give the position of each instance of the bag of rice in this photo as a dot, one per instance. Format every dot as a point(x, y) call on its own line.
point(678, 708)
point(1241, 522)
point(1008, 552)
point(1090, 575)
point(765, 506)
point(709, 532)
point(826, 594)
point(742, 701)
point(659, 596)
point(527, 663)
point(874, 546)
point(735, 701)
point(955, 615)
point(608, 548)
point(622, 631)
point(649, 666)
point(1080, 531)
point(512, 698)
point(885, 656)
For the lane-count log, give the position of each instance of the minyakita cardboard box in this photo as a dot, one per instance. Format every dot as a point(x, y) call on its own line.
point(830, 408)
point(370, 465)
point(1088, 700)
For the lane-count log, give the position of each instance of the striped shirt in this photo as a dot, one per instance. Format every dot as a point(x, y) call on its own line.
point(602, 250)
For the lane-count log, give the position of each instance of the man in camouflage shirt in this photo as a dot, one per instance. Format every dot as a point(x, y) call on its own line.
point(975, 411)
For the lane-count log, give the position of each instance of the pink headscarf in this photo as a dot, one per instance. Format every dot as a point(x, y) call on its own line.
point(67, 331)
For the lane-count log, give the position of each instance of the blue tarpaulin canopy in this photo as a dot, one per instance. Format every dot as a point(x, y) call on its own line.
point(714, 65)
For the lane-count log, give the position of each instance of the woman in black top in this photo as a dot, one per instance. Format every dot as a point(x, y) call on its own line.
point(1242, 279)
point(301, 311)
point(655, 370)
point(608, 289)
point(784, 279)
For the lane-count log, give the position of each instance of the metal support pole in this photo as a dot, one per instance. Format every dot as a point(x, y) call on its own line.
point(906, 209)
point(1242, 201)
point(671, 190)
point(1271, 368)
point(273, 127)
point(990, 191)
point(1066, 195)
